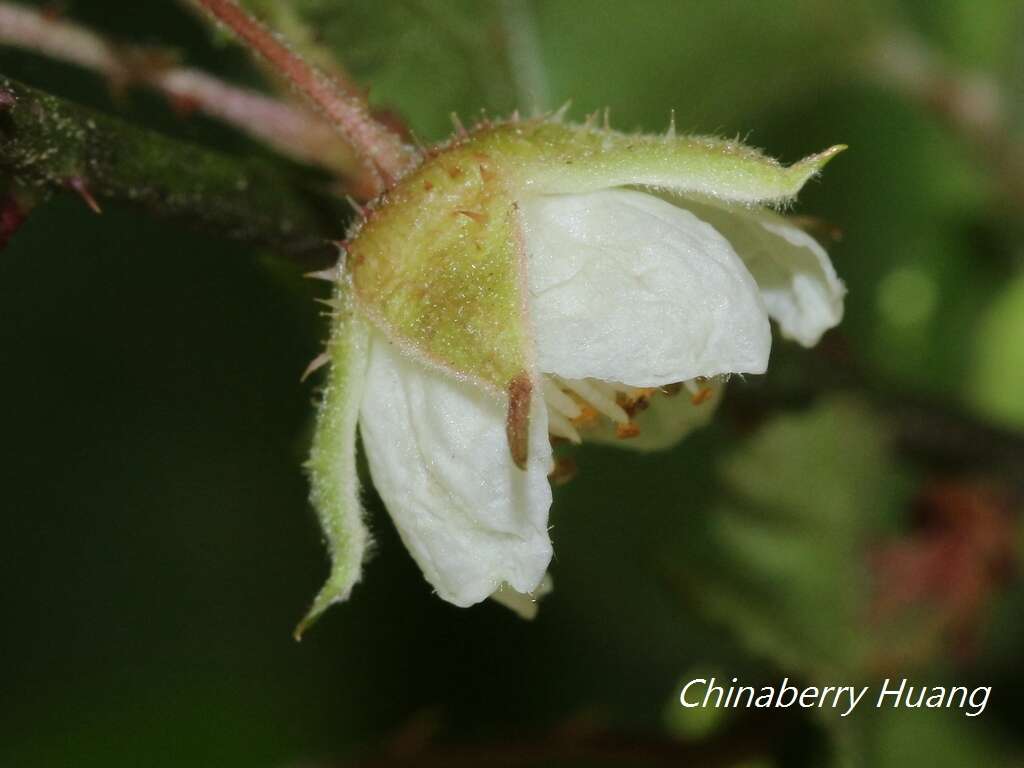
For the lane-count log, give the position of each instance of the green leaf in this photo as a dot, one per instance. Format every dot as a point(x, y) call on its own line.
point(723, 66)
point(696, 722)
point(421, 59)
point(894, 738)
point(997, 380)
point(784, 562)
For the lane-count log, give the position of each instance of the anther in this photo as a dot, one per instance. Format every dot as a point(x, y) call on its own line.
point(702, 396)
point(592, 393)
point(626, 431)
point(563, 471)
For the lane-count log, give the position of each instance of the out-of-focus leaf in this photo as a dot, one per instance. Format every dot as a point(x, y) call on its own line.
point(423, 60)
point(915, 281)
point(784, 564)
point(719, 65)
point(696, 722)
point(898, 738)
point(426, 59)
point(971, 35)
point(997, 380)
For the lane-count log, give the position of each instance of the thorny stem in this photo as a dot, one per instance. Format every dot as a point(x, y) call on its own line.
point(295, 132)
point(378, 146)
point(49, 145)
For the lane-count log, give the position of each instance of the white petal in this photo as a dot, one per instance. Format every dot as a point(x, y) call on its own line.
point(439, 457)
point(666, 421)
point(797, 280)
point(626, 287)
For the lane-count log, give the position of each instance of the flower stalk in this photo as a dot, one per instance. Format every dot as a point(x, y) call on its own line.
point(378, 146)
point(291, 130)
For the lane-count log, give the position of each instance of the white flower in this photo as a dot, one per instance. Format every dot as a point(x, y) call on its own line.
point(637, 308)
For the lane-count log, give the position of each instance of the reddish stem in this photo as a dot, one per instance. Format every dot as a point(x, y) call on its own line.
point(379, 147)
point(293, 130)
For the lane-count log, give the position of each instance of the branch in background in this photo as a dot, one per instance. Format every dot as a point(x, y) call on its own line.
point(938, 435)
point(970, 104)
point(949, 438)
point(380, 148)
point(48, 144)
point(291, 130)
point(750, 737)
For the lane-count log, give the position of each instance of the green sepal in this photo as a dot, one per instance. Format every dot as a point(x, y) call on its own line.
point(438, 263)
point(437, 267)
point(334, 479)
point(575, 159)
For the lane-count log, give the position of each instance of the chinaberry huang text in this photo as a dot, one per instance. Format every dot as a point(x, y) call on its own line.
point(896, 694)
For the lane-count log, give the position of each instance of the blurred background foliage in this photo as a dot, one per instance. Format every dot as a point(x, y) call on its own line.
point(852, 515)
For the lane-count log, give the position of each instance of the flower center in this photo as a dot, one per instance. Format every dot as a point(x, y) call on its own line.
point(575, 405)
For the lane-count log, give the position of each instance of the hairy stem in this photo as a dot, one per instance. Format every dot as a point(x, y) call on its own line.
point(50, 145)
point(293, 131)
point(378, 146)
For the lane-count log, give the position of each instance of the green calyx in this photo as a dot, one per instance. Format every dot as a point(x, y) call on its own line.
point(334, 479)
point(438, 263)
point(436, 267)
